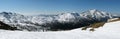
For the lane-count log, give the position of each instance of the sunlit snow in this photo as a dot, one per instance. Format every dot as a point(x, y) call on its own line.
point(108, 31)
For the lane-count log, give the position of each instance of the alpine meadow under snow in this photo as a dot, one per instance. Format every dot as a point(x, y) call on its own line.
point(91, 24)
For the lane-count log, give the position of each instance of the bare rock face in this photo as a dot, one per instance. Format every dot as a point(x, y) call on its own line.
point(6, 27)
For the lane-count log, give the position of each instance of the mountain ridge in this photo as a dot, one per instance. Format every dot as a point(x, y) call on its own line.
point(54, 22)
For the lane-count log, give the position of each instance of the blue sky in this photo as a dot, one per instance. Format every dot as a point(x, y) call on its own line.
point(34, 7)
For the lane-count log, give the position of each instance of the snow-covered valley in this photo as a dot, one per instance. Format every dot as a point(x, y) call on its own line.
point(108, 31)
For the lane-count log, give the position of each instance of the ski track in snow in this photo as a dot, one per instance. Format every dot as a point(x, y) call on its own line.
point(108, 31)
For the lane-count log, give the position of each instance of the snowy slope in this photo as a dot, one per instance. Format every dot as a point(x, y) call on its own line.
point(108, 31)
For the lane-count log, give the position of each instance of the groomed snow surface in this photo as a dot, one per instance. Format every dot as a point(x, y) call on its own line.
point(108, 31)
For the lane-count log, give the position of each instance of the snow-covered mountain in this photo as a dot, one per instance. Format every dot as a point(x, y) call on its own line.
point(98, 15)
point(43, 22)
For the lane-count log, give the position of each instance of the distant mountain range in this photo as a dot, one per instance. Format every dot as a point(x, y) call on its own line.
point(64, 21)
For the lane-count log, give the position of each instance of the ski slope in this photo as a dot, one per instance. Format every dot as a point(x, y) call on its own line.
point(108, 31)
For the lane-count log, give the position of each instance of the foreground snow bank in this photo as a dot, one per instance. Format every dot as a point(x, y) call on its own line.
point(108, 31)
